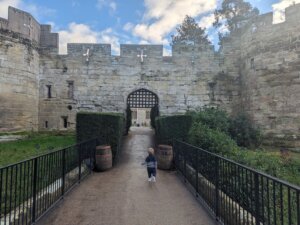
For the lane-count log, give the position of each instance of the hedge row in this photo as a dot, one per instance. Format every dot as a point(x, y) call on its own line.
point(107, 127)
point(168, 128)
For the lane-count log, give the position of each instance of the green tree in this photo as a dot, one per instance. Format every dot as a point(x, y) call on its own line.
point(190, 32)
point(233, 14)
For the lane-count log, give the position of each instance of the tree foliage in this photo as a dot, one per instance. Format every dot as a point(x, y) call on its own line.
point(189, 32)
point(213, 140)
point(242, 130)
point(233, 14)
point(213, 118)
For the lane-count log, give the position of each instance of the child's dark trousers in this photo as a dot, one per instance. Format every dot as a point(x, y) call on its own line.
point(151, 171)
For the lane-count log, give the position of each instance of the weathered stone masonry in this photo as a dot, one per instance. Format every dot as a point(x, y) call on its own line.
point(256, 70)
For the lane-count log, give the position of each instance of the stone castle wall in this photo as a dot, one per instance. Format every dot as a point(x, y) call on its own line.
point(19, 69)
point(104, 82)
point(256, 70)
point(22, 39)
point(270, 75)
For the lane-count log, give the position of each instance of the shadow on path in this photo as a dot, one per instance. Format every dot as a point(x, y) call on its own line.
point(123, 196)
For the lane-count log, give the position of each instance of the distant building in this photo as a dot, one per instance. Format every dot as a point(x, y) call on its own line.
point(141, 116)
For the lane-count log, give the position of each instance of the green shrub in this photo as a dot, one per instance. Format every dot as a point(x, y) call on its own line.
point(168, 128)
point(212, 130)
point(270, 164)
point(108, 127)
point(243, 131)
point(212, 140)
point(213, 118)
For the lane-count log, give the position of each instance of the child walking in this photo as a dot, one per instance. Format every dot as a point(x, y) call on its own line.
point(151, 165)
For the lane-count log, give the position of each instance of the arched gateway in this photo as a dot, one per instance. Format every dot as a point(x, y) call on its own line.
point(142, 98)
point(142, 105)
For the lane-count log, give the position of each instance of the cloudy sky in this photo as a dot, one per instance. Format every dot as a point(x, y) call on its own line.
point(127, 21)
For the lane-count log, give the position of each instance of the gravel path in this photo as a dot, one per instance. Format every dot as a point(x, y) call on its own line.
point(123, 196)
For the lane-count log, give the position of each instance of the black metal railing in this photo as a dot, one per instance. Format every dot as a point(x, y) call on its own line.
point(30, 188)
point(236, 194)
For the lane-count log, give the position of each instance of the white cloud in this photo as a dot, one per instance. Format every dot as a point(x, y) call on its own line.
point(143, 42)
point(162, 16)
point(108, 37)
point(75, 3)
point(4, 6)
point(207, 21)
point(278, 9)
point(112, 5)
point(128, 27)
point(82, 33)
point(76, 33)
point(167, 52)
point(35, 10)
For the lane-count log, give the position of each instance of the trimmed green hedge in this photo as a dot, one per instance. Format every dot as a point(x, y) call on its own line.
point(107, 127)
point(168, 128)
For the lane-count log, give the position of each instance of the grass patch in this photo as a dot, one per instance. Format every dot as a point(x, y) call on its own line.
point(34, 144)
point(270, 160)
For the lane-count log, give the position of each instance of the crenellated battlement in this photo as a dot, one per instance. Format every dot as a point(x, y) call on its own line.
point(99, 50)
point(292, 14)
point(3, 24)
point(26, 26)
point(48, 39)
point(131, 50)
point(263, 25)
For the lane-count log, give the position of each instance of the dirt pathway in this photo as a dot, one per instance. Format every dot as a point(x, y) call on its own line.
point(123, 196)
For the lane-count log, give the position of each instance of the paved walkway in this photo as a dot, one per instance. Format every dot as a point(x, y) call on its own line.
point(123, 196)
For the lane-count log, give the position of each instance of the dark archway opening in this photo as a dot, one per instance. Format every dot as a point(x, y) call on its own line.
point(142, 108)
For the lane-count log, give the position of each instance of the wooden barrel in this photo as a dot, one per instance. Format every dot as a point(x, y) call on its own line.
point(103, 157)
point(164, 157)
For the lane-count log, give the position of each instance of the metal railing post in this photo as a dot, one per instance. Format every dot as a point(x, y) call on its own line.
point(197, 171)
point(257, 206)
point(63, 172)
point(92, 155)
point(175, 153)
point(34, 191)
point(79, 162)
point(184, 164)
point(217, 187)
point(298, 206)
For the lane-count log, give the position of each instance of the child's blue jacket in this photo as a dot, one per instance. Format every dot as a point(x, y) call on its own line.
point(151, 161)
